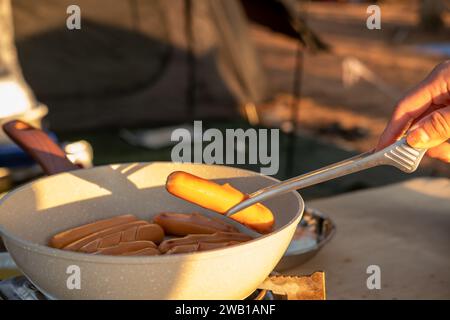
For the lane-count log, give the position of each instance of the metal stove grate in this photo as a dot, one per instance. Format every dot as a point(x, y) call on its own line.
point(20, 288)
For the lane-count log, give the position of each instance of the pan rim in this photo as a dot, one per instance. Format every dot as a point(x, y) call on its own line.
point(107, 259)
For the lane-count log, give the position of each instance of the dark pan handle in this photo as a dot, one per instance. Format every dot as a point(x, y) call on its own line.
point(39, 146)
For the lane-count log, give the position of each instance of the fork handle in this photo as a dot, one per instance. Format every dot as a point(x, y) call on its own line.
point(336, 170)
point(358, 163)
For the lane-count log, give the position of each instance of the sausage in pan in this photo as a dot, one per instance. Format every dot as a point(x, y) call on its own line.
point(146, 231)
point(64, 238)
point(180, 224)
point(166, 245)
point(126, 247)
point(143, 252)
point(200, 246)
point(219, 198)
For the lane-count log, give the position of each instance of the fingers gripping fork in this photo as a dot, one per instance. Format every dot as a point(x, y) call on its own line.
point(402, 156)
point(399, 155)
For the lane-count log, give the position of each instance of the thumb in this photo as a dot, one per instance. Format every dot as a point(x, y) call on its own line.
point(432, 130)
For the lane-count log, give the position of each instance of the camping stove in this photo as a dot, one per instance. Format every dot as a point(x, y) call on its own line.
point(275, 287)
point(312, 233)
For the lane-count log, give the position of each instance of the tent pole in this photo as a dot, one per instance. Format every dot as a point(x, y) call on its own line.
point(190, 62)
point(294, 125)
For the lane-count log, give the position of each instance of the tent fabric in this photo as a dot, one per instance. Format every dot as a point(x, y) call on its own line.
point(8, 58)
point(129, 64)
point(9, 65)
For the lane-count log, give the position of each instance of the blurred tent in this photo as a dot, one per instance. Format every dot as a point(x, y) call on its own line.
point(16, 98)
point(431, 12)
point(138, 62)
point(282, 16)
point(11, 78)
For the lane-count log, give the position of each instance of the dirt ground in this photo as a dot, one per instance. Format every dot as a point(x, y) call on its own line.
point(391, 63)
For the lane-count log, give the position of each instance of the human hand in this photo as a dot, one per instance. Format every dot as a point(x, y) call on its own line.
point(424, 115)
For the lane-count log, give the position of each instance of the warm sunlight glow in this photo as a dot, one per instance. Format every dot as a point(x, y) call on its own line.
point(63, 189)
point(14, 99)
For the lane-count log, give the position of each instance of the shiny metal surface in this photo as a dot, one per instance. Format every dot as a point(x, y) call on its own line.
point(399, 155)
point(300, 251)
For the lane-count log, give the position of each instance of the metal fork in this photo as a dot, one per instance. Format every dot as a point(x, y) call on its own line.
point(399, 154)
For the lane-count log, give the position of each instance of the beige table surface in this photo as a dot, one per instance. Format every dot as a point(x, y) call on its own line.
point(403, 228)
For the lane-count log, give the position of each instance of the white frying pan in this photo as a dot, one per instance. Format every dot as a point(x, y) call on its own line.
point(31, 214)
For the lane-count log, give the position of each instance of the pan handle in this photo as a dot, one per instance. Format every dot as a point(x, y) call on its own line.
point(39, 146)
